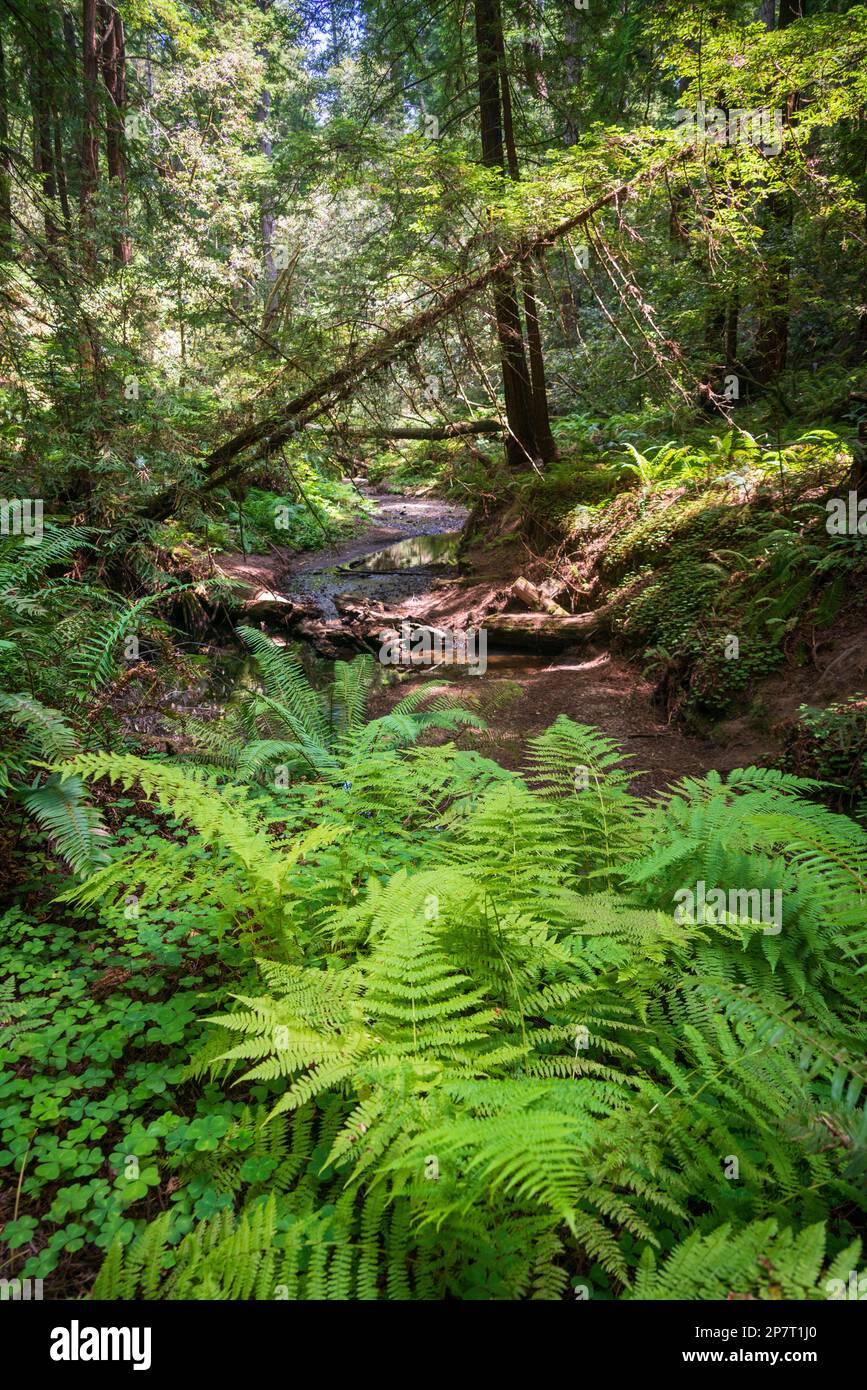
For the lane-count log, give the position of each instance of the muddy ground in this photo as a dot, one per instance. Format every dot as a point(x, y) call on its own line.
point(520, 693)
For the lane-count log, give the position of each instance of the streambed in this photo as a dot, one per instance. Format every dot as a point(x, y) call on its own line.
point(386, 575)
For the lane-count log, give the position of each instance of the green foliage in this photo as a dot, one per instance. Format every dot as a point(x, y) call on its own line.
point(509, 1063)
point(76, 829)
point(286, 726)
point(830, 744)
point(74, 653)
point(327, 1013)
point(761, 1261)
point(743, 555)
point(95, 1027)
point(58, 805)
point(322, 509)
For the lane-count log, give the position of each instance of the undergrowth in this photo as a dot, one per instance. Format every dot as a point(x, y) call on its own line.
point(440, 1033)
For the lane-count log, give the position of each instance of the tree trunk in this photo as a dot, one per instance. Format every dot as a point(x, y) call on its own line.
point(531, 12)
point(90, 342)
point(540, 631)
point(732, 320)
point(538, 386)
point(114, 77)
point(68, 64)
point(572, 68)
point(452, 431)
point(90, 128)
point(772, 334)
point(267, 217)
point(5, 164)
point(861, 338)
point(60, 171)
point(43, 145)
point(266, 435)
point(263, 112)
point(521, 446)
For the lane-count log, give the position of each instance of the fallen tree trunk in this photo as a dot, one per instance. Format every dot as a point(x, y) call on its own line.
point(541, 630)
point(268, 434)
point(528, 594)
point(453, 431)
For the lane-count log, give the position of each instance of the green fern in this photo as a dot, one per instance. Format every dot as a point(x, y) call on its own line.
point(289, 725)
point(59, 805)
point(761, 1261)
point(492, 1056)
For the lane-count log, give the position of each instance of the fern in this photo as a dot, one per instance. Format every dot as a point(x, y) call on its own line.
point(761, 1261)
point(287, 724)
point(59, 805)
point(491, 1055)
point(62, 810)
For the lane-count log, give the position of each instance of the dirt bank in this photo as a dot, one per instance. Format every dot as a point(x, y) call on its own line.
point(520, 693)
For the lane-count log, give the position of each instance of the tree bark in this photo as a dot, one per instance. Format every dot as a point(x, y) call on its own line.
point(572, 67)
point(91, 342)
point(71, 107)
point(5, 163)
point(541, 630)
point(732, 321)
point(452, 431)
point(90, 127)
point(43, 145)
point(60, 171)
point(521, 446)
point(861, 336)
point(114, 76)
point(533, 598)
point(267, 219)
point(538, 385)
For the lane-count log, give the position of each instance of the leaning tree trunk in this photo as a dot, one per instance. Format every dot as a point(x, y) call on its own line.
point(266, 435)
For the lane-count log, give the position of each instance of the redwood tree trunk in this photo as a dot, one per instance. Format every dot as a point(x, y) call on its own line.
point(538, 385)
point(43, 144)
point(267, 217)
point(90, 127)
point(90, 342)
point(114, 77)
point(5, 164)
point(521, 446)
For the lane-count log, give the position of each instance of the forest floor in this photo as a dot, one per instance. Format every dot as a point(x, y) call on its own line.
point(521, 693)
point(395, 518)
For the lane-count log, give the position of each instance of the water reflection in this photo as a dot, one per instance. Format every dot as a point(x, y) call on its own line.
point(416, 552)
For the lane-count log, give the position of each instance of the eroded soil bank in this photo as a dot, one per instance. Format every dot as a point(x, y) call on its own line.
point(402, 562)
